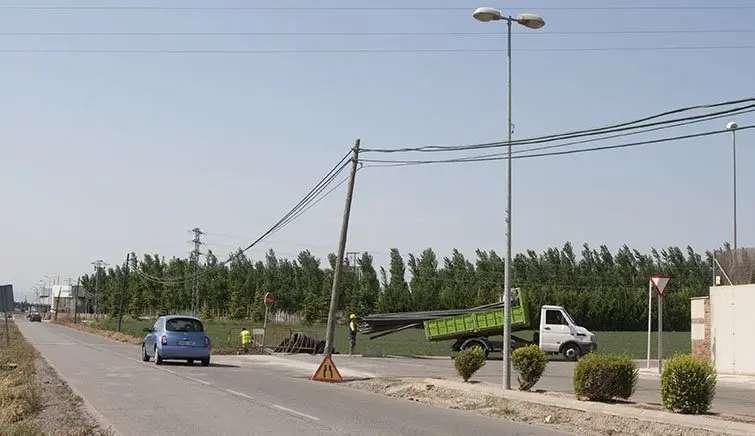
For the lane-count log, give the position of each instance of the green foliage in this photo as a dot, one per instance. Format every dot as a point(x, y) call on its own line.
point(603, 377)
point(469, 361)
point(530, 363)
point(688, 384)
point(601, 290)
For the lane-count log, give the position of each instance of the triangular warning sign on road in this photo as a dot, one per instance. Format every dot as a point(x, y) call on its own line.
point(327, 371)
point(660, 283)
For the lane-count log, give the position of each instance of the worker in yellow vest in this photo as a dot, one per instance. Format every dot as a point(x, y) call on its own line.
point(352, 333)
point(246, 339)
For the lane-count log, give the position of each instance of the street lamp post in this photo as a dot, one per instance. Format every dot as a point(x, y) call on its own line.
point(532, 21)
point(733, 127)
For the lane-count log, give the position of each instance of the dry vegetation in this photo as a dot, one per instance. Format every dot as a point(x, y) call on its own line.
point(33, 399)
point(574, 421)
point(116, 336)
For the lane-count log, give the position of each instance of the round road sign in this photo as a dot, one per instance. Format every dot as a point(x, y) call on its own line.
point(269, 300)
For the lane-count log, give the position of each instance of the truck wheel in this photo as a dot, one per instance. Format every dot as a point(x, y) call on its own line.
point(571, 352)
point(477, 345)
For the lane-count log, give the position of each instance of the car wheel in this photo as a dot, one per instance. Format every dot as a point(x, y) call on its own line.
point(145, 356)
point(571, 352)
point(206, 361)
point(191, 361)
point(158, 359)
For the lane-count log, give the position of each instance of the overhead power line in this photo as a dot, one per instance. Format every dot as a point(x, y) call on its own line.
point(304, 204)
point(620, 135)
point(397, 163)
point(604, 138)
point(369, 51)
point(595, 131)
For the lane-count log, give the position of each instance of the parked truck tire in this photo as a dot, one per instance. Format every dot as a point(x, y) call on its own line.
point(480, 343)
point(571, 351)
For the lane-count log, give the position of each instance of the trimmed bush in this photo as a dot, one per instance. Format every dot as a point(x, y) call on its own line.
point(603, 377)
point(688, 384)
point(469, 361)
point(530, 363)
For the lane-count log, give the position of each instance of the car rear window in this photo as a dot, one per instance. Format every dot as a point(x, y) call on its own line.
point(183, 325)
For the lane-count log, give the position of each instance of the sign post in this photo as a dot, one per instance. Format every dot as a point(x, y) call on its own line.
point(661, 284)
point(650, 318)
point(6, 299)
point(268, 300)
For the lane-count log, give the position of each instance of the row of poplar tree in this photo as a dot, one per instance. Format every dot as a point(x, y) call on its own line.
point(602, 291)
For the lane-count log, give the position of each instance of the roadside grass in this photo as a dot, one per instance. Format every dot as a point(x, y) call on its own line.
point(224, 335)
point(20, 396)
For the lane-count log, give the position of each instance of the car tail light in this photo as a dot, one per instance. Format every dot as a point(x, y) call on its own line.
point(206, 341)
point(164, 340)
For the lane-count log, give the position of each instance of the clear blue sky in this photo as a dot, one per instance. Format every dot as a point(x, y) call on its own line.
point(104, 153)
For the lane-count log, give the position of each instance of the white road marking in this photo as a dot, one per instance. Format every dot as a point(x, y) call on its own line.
point(240, 394)
point(277, 406)
point(206, 383)
point(286, 409)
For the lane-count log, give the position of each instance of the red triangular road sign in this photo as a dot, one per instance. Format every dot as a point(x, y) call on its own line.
point(660, 283)
point(327, 371)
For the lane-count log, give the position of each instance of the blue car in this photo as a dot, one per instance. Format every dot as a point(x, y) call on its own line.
point(177, 337)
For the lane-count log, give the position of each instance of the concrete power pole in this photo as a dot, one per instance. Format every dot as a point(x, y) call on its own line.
point(330, 329)
point(195, 257)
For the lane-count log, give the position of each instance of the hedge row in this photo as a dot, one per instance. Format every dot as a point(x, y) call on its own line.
point(688, 383)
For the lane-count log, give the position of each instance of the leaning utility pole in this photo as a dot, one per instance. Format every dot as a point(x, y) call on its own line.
point(195, 255)
point(330, 331)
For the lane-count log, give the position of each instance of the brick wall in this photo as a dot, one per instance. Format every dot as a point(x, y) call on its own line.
point(700, 308)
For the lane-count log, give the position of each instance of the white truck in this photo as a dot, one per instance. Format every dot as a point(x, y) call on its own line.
point(557, 333)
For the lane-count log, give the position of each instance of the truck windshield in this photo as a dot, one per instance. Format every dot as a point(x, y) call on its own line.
point(569, 318)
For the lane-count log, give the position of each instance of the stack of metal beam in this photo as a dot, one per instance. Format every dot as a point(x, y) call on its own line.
point(382, 324)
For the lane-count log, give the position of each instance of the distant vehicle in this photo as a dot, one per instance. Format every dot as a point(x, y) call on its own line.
point(35, 317)
point(177, 337)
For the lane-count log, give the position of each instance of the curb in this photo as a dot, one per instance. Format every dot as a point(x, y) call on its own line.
point(656, 416)
point(740, 381)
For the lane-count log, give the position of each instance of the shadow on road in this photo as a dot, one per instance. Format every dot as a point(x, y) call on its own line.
point(212, 364)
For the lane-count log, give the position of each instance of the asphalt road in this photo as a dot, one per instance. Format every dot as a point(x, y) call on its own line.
point(139, 398)
point(734, 395)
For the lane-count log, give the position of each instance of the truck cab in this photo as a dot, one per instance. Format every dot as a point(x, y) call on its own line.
point(559, 334)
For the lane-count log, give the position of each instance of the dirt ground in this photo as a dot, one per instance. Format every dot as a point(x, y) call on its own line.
point(62, 413)
point(569, 420)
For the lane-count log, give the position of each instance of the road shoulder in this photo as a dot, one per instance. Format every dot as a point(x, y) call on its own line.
point(555, 410)
point(50, 404)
